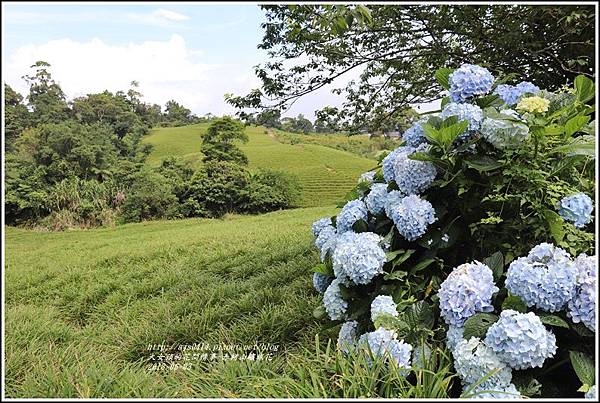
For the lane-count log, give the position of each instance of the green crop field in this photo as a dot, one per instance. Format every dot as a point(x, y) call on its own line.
point(82, 306)
point(325, 174)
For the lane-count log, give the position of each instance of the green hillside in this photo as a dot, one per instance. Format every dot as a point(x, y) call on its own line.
point(326, 174)
point(82, 306)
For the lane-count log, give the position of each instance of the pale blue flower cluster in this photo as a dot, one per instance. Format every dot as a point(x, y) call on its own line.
point(577, 209)
point(453, 336)
point(415, 135)
point(393, 198)
point(412, 215)
point(383, 305)
point(591, 394)
point(412, 176)
point(358, 257)
point(507, 392)
point(353, 211)
point(328, 244)
point(521, 340)
point(335, 305)
point(384, 343)
point(420, 356)
point(473, 361)
point(324, 235)
point(321, 282)
point(511, 94)
point(348, 336)
point(377, 198)
point(472, 113)
point(468, 81)
point(582, 307)
point(511, 113)
point(389, 162)
point(504, 133)
point(466, 291)
point(320, 224)
point(367, 177)
point(545, 278)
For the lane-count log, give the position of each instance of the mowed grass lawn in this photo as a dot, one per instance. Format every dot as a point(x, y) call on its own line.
point(81, 307)
point(325, 174)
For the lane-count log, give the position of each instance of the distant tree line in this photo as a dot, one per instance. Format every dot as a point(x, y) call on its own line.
point(328, 121)
point(82, 163)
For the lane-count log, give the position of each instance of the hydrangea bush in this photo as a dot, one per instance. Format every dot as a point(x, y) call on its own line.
point(476, 235)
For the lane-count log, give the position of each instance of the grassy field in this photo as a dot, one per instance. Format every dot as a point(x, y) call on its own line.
point(325, 174)
point(359, 144)
point(82, 306)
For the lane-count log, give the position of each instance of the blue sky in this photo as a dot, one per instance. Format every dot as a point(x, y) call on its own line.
point(193, 53)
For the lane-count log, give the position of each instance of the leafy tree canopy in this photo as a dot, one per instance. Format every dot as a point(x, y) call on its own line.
point(218, 142)
point(397, 47)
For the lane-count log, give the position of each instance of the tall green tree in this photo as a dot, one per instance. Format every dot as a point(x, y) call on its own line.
point(46, 98)
point(177, 114)
point(393, 49)
point(269, 118)
point(218, 144)
point(16, 116)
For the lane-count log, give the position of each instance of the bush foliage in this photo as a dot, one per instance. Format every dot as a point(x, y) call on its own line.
point(455, 210)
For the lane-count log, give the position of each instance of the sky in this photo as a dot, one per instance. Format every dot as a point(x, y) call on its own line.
point(192, 53)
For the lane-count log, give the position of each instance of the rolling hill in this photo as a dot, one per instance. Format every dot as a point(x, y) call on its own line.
point(325, 174)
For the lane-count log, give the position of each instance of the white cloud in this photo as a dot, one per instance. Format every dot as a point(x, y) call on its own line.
point(165, 70)
point(160, 17)
point(170, 15)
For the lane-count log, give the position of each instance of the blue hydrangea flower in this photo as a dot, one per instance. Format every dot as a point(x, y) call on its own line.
point(347, 336)
point(376, 198)
point(384, 343)
point(321, 282)
point(472, 113)
point(415, 135)
point(473, 361)
point(511, 94)
point(328, 246)
point(353, 211)
point(334, 304)
point(412, 176)
point(453, 336)
point(504, 133)
point(320, 224)
point(358, 257)
point(468, 81)
point(577, 209)
point(389, 162)
point(412, 216)
point(582, 307)
point(506, 392)
point(392, 200)
point(521, 340)
point(511, 113)
point(548, 253)
point(367, 177)
point(466, 291)
point(545, 278)
point(324, 235)
point(383, 305)
point(591, 394)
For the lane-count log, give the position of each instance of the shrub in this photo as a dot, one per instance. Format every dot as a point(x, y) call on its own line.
point(270, 190)
point(218, 188)
point(451, 214)
point(150, 196)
